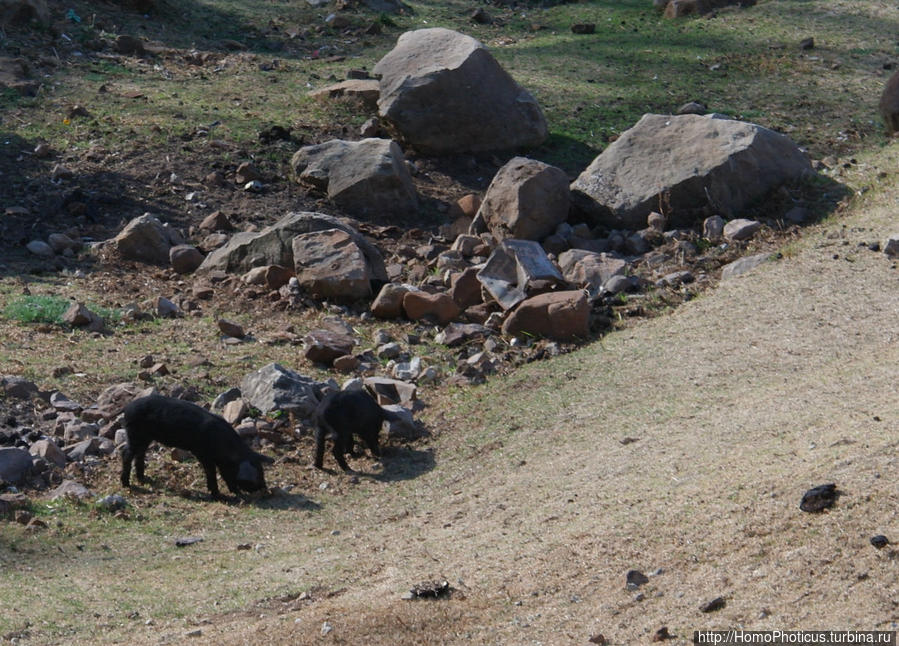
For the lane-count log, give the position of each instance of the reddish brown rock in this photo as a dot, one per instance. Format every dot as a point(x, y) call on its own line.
point(185, 258)
point(441, 307)
point(276, 276)
point(216, 221)
point(228, 328)
point(324, 346)
point(556, 315)
point(466, 288)
point(389, 302)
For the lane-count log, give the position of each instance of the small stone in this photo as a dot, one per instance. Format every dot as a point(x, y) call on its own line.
point(326, 628)
point(715, 604)
point(662, 634)
point(635, 578)
point(713, 228)
point(40, 248)
point(880, 541)
point(389, 351)
point(112, 502)
point(231, 329)
point(741, 229)
point(598, 639)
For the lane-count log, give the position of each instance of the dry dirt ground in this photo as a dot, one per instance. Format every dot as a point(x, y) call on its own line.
point(737, 403)
point(679, 447)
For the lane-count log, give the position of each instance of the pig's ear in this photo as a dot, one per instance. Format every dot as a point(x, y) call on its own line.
point(264, 458)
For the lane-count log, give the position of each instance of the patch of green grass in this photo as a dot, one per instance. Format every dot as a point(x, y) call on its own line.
point(36, 309)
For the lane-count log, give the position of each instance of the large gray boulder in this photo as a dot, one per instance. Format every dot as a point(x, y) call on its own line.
point(365, 178)
point(685, 164)
point(146, 239)
point(331, 265)
point(274, 387)
point(527, 199)
point(15, 465)
point(274, 245)
point(446, 93)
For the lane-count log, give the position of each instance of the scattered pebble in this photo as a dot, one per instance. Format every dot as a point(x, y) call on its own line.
point(880, 541)
point(819, 498)
point(715, 604)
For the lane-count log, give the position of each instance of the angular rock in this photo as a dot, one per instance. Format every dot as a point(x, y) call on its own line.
point(69, 489)
point(274, 245)
point(456, 334)
point(743, 265)
point(80, 450)
point(229, 328)
point(465, 288)
point(61, 403)
point(527, 199)
point(389, 302)
point(441, 307)
point(407, 370)
point(216, 221)
point(48, 450)
point(18, 387)
point(590, 270)
point(166, 309)
point(365, 90)
point(556, 315)
point(78, 430)
point(146, 239)
point(331, 265)
point(274, 387)
point(234, 411)
point(368, 179)
point(78, 315)
point(15, 465)
point(60, 243)
point(741, 229)
point(391, 391)
point(515, 267)
point(688, 163)
point(713, 228)
point(401, 424)
point(446, 93)
point(324, 346)
point(185, 258)
point(113, 400)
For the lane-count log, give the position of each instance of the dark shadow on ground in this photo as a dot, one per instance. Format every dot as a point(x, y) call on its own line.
point(403, 463)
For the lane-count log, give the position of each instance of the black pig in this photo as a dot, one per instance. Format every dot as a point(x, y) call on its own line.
point(210, 438)
point(346, 414)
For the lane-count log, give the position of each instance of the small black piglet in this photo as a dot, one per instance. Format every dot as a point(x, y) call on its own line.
point(346, 414)
point(210, 438)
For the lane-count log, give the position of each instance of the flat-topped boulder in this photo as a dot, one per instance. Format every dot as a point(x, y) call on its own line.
point(690, 164)
point(446, 93)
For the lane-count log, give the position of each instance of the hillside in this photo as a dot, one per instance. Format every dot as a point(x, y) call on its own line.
point(678, 444)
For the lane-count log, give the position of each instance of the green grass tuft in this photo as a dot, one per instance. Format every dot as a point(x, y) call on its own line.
point(36, 309)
